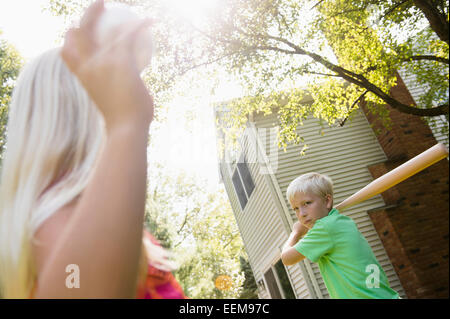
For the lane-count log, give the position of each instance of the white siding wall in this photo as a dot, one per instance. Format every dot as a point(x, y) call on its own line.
point(298, 282)
point(343, 153)
point(416, 92)
point(260, 224)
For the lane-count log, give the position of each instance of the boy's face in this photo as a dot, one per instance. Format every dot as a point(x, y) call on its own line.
point(309, 207)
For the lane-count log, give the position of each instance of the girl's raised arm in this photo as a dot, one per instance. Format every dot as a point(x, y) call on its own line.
point(104, 234)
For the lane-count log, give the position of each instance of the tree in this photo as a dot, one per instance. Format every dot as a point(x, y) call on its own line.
point(340, 51)
point(199, 230)
point(250, 289)
point(217, 251)
point(156, 221)
point(271, 43)
point(10, 64)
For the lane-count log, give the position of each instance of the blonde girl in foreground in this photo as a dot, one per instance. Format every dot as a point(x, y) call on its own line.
point(73, 179)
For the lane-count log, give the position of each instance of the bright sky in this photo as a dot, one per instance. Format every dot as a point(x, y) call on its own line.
point(28, 27)
point(32, 31)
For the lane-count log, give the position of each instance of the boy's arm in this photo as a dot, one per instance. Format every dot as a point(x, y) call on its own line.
point(289, 255)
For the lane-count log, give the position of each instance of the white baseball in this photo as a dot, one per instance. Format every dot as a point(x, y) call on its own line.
point(116, 15)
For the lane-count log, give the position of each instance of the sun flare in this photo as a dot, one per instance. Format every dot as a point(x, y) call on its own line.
point(193, 10)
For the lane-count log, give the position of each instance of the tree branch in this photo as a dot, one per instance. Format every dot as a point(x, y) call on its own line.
point(357, 79)
point(184, 221)
point(229, 242)
point(317, 4)
point(353, 105)
point(438, 20)
point(416, 58)
point(346, 11)
point(388, 12)
point(361, 81)
point(427, 57)
point(271, 48)
point(324, 74)
point(195, 66)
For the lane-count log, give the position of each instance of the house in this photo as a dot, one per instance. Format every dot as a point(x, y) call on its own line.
point(406, 226)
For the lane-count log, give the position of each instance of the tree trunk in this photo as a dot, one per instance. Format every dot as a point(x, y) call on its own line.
point(436, 18)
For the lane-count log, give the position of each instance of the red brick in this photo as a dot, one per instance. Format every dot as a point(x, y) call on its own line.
point(417, 225)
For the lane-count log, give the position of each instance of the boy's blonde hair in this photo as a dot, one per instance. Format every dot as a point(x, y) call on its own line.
point(318, 184)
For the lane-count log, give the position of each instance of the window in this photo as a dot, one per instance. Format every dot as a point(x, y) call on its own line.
point(246, 178)
point(283, 280)
point(243, 182)
point(238, 187)
point(274, 290)
point(278, 282)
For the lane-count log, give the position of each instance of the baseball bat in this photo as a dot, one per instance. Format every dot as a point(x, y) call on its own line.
point(413, 166)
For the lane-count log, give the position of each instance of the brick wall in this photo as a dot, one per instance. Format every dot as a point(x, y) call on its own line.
point(414, 226)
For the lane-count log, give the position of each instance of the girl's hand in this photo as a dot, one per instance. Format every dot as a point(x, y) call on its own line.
point(109, 72)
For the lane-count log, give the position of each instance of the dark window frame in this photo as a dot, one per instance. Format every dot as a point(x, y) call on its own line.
point(274, 283)
point(242, 180)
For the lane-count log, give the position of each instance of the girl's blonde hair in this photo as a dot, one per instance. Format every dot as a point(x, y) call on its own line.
point(54, 136)
point(318, 184)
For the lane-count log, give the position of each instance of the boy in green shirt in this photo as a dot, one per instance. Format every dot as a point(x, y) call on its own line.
point(346, 261)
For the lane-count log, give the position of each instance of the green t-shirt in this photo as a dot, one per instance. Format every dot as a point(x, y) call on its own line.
point(346, 261)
